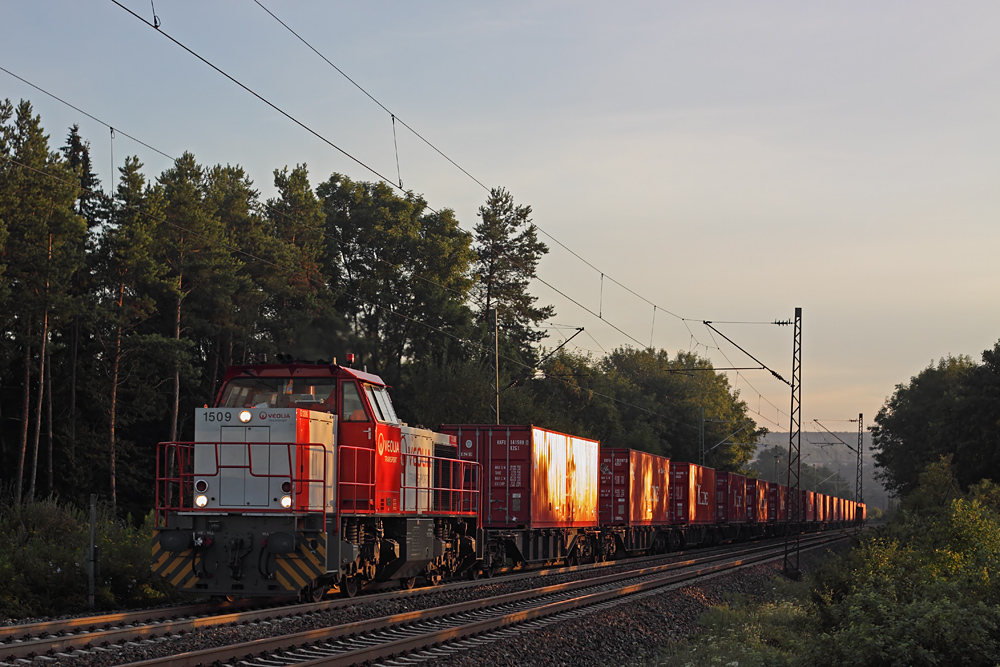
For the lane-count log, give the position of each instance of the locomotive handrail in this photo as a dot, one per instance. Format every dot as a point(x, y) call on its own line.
point(440, 499)
point(175, 477)
point(363, 460)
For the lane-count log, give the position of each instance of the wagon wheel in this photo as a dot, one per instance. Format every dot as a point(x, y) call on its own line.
point(349, 586)
point(407, 583)
point(313, 593)
point(474, 573)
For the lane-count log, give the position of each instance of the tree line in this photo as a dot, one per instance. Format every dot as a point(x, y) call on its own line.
point(121, 309)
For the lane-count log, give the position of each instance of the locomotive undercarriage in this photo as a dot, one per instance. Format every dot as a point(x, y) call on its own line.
point(229, 554)
point(406, 548)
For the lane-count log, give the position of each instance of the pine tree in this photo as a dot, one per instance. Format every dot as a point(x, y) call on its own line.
point(507, 254)
point(129, 275)
point(42, 254)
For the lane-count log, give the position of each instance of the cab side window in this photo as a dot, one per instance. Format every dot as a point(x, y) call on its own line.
point(352, 409)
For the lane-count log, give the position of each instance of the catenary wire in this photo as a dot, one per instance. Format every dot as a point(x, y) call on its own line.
point(371, 97)
point(263, 99)
point(377, 173)
point(115, 131)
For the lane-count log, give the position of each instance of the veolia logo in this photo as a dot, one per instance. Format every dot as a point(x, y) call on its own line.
point(275, 415)
point(383, 445)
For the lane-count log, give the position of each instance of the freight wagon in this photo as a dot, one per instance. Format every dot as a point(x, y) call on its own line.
point(731, 505)
point(540, 494)
point(634, 500)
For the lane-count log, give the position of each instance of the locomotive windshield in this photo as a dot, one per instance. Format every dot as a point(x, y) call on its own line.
point(379, 399)
point(258, 392)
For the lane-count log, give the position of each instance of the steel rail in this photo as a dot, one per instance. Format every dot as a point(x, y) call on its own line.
point(350, 632)
point(65, 635)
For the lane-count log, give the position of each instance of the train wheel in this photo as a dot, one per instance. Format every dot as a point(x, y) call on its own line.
point(349, 586)
point(473, 574)
point(408, 583)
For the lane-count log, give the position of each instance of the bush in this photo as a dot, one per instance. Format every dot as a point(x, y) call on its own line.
point(43, 550)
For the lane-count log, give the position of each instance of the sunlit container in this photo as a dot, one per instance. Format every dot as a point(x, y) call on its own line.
point(534, 478)
point(691, 488)
point(730, 497)
point(756, 500)
point(821, 508)
point(777, 502)
point(634, 488)
point(808, 506)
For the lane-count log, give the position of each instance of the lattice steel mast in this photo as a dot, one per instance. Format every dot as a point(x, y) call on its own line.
point(859, 495)
point(791, 564)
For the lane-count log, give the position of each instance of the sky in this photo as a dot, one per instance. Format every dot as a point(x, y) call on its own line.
point(724, 161)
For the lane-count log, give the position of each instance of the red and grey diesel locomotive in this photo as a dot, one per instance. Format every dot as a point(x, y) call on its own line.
point(302, 478)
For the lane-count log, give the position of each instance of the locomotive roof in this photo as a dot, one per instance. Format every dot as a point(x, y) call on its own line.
point(301, 370)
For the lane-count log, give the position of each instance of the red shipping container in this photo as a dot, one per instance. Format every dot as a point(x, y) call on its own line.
point(730, 497)
point(691, 487)
point(757, 500)
point(808, 506)
point(534, 478)
point(634, 488)
point(777, 502)
point(821, 505)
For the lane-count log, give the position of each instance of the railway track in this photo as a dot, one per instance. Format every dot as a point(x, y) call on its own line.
point(379, 638)
point(63, 636)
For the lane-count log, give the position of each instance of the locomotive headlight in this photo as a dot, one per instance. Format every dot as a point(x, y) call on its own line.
point(286, 502)
point(200, 501)
point(245, 416)
point(201, 486)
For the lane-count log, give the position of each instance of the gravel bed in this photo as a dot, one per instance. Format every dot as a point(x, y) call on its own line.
point(630, 633)
point(362, 610)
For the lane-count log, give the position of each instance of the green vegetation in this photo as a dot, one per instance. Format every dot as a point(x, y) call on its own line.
point(922, 590)
point(43, 570)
